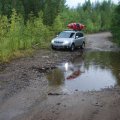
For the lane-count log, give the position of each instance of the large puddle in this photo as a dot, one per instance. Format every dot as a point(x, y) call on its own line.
point(91, 71)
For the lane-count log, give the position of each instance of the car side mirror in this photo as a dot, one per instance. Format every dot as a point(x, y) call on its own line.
point(76, 37)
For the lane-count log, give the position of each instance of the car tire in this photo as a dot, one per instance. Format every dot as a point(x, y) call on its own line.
point(83, 45)
point(53, 48)
point(72, 48)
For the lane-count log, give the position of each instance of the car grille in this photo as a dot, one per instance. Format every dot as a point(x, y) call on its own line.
point(58, 42)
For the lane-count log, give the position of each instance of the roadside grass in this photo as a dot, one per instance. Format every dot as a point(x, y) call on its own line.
point(12, 49)
point(14, 46)
point(18, 39)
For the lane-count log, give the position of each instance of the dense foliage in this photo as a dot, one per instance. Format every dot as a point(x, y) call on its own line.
point(26, 24)
point(116, 24)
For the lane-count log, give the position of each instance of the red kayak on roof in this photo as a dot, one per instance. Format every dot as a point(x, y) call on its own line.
point(76, 26)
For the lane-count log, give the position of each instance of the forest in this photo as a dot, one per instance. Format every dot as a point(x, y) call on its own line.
point(29, 24)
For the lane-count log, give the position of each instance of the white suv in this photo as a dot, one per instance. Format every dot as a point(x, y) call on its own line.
point(69, 39)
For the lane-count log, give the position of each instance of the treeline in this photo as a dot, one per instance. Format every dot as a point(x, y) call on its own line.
point(50, 8)
point(115, 27)
point(26, 24)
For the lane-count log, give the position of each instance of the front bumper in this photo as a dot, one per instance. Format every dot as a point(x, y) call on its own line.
point(61, 46)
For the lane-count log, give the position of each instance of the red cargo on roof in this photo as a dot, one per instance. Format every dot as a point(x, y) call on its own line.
point(76, 26)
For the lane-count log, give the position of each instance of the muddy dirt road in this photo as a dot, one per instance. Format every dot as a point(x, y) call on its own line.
point(25, 93)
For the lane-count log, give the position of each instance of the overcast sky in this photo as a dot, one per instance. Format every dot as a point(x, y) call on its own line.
point(73, 3)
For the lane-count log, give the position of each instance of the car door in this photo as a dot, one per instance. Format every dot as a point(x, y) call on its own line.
point(80, 39)
point(77, 40)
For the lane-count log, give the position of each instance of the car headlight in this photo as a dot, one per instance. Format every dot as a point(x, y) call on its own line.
point(52, 41)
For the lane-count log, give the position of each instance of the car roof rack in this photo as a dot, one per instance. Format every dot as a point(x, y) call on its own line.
point(68, 30)
point(73, 30)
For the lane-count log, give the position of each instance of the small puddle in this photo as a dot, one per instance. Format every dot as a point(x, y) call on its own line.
point(91, 71)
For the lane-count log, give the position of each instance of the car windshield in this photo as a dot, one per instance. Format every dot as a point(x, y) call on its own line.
point(66, 35)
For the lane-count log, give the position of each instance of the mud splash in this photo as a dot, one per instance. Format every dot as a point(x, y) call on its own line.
point(91, 71)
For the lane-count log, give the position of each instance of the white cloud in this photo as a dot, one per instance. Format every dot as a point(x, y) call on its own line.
point(74, 3)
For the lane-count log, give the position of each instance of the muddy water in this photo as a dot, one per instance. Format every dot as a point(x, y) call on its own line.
point(91, 71)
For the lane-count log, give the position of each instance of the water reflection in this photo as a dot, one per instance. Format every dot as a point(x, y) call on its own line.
point(91, 71)
point(56, 77)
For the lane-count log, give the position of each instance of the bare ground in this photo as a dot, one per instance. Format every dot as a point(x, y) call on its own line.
point(24, 94)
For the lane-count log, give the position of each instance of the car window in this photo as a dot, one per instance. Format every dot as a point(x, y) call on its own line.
point(72, 35)
point(79, 34)
point(66, 35)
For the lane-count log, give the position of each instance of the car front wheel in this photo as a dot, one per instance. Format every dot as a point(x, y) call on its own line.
point(72, 48)
point(53, 48)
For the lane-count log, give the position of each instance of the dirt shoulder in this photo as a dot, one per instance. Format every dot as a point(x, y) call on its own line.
point(24, 94)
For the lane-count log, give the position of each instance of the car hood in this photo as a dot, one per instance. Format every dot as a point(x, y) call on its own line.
point(63, 39)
